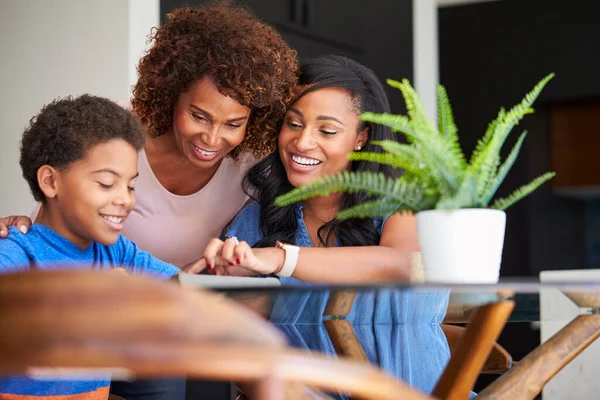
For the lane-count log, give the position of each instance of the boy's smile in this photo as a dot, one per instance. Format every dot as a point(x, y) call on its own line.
point(114, 221)
point(90, 200)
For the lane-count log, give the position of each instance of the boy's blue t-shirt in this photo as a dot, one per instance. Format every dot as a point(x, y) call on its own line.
point(44, 249)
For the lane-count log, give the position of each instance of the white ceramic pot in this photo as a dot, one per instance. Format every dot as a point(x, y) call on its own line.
point(461, 246)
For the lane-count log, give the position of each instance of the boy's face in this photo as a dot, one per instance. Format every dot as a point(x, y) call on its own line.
point(95, 195)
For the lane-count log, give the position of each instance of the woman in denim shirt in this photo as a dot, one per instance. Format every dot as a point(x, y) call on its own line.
point(319, 131)
point(399, 329)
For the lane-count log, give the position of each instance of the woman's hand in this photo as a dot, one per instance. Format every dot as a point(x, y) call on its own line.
point(195, 267)
point(231, 257)
point(22, 222)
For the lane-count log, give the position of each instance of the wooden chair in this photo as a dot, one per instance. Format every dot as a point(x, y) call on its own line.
point(527, 379)
point(145, 328)
point(471, 346)
point(499, 360)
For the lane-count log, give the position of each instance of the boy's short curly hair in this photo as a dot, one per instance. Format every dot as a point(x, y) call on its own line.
point(246, 59)
point(67, 128)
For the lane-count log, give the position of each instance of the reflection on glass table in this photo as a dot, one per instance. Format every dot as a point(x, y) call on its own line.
point(399, 327)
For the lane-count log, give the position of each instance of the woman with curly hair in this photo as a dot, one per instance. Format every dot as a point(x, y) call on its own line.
point(211, 92)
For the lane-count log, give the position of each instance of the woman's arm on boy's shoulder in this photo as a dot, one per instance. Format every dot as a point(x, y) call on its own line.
point(21, 222)
point(140, 262)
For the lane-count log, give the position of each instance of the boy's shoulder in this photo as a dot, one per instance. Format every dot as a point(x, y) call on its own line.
point(16, 251)
point(19, 239)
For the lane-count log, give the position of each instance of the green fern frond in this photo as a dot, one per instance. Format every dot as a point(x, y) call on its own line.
point(393, 160)
point(485, 140)
point(516, 113)
point(377, 208)
point(503, 128)
point(408, 154)
point(447, 127)
point(414, 107)
point(350, 181)
point(535, 92)
point(442, 159)
point(398, 123)
point(446, 124)
point(396, 148)
point(488, 160)
point(504, 203)
point(466, 196)
point(511, 119)
point(487, 171)
point(503, 170)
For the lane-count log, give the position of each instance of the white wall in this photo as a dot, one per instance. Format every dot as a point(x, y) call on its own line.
point(143, 15)
point(426, 53)
point(52, 48)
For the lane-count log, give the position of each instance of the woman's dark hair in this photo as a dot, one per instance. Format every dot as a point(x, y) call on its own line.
point(268, 179)
point(246, 59)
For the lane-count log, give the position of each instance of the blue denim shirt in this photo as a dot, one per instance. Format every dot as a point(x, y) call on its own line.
point(399, 330)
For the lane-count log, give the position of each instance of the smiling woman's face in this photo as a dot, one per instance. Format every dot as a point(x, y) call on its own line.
point(207, 124)
point(319, 132)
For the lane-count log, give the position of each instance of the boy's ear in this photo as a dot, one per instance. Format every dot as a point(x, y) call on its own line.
point(47, 180)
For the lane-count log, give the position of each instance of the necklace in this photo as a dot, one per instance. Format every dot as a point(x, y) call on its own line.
point(309, 212)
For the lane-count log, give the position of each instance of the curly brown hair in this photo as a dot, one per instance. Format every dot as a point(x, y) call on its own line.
point(245, 58)
point(66, 129)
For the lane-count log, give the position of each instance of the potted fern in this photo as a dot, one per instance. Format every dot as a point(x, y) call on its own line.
point(461, 231)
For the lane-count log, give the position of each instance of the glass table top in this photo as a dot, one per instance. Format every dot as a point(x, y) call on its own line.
point(408, 302)
point(401, 326)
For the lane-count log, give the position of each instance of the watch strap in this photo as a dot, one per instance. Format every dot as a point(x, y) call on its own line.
point(290, 260)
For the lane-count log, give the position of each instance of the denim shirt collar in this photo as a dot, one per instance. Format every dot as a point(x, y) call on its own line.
point(301, 237)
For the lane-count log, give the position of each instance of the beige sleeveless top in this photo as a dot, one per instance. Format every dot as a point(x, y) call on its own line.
point(176, 229)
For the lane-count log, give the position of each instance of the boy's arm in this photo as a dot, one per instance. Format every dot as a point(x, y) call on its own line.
point(141, 262)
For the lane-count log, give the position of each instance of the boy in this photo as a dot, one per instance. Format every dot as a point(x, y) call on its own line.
point(79, 157)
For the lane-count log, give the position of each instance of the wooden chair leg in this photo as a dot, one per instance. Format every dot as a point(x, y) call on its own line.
point(472, 350)
point(529, 376)
point(499, 360)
